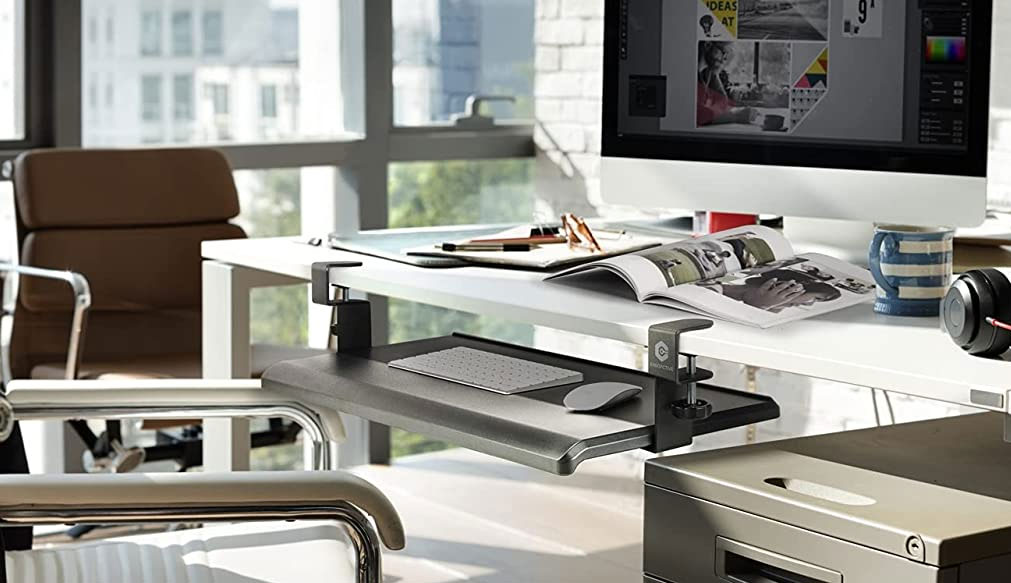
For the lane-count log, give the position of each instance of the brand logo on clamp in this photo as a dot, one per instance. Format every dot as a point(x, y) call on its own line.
point(662, 351)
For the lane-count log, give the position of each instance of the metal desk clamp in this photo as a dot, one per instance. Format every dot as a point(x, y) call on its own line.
point(675, 402)
point(352, 320)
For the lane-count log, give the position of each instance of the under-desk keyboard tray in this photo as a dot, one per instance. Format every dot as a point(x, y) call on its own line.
point(531, 428)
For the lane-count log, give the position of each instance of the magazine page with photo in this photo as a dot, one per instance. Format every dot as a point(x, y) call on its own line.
point(657, 269)
point(749, 275)
point(775, 293)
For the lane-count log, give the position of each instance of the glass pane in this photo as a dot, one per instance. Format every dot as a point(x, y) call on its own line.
point(271, 201)
point(457, 192)
point(8, 236)
point(215, 71)
point(446, 50)
point(461, 192)
point(12, 77)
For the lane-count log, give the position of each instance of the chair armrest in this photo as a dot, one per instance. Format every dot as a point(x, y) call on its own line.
point(165, 399)
point(82, 301)
point(83, 498)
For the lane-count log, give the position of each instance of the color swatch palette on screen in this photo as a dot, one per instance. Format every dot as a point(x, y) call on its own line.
point(946, 49)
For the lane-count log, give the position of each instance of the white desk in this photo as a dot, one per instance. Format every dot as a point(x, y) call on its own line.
point(855, 346)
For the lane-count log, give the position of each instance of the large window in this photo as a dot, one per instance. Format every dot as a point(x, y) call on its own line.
point(455, 192)
point(232, 47)
point(270, 201)
point(446, 50)
point(460, 192)
point(282, 87)
point(12, 53)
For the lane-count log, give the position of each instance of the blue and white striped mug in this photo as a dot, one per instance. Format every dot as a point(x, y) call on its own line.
point(912, 267)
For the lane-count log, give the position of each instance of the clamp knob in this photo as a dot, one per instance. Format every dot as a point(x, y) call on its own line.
point(700, 409)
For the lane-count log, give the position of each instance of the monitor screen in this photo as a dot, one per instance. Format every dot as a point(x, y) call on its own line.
point(896, 85)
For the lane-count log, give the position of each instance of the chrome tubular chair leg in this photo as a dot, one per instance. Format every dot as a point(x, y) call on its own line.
point(363, 536)
point(314, 429)
point(367, 546)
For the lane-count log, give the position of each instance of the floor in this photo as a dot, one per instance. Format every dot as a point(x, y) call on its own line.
point(470, 517)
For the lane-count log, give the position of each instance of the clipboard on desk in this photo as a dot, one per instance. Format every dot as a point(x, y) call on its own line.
point(539, 257)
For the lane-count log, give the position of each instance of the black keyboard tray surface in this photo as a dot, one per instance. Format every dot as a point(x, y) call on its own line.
point(532, 428)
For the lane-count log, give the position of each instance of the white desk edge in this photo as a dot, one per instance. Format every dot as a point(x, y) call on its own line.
point(855, 346)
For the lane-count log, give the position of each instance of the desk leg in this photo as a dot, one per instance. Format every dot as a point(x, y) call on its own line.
point(225, 356)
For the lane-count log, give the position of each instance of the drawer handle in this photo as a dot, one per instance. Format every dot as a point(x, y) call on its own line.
point(821, 492)
point(741, 563)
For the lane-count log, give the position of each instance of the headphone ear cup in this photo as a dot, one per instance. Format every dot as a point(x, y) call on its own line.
point(980, 304)
point(1001, 300)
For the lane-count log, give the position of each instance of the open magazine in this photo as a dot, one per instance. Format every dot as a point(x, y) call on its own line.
point(749, 275)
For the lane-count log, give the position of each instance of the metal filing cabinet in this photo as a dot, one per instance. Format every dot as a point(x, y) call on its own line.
point(924, 502)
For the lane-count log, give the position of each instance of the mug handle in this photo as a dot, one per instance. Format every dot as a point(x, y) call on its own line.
point(875, 264)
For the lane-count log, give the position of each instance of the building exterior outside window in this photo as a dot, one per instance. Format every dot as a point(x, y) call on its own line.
point(150, 33)
point(182, 33)
point(446, 50)
point(150, 96)
point(213, 30)
point(268, 101)
point(219, 99)
point(243, 45)
point(182, 97)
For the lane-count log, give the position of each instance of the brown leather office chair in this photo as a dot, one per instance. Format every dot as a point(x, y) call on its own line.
point(131, 223)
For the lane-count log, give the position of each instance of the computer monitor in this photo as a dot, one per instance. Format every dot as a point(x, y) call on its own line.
point(866, 110)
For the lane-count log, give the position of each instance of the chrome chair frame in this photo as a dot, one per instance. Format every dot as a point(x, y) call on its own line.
point(28, 400)
point(82, 298)
point(82, 302)
point(363, 536)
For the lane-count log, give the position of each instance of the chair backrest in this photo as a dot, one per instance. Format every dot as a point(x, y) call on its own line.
point(131, 221)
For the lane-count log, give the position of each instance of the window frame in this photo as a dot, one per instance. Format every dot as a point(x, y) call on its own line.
point(370, 145)
point(54, 103)
point(38, 77)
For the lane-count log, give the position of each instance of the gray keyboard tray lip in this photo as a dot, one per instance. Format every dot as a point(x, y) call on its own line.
point(531, 428)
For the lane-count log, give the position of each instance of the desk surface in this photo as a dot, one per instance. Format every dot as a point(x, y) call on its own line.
point(856, 346)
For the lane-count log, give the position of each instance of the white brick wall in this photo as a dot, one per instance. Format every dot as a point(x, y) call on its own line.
point(569, 53)
point(567, 100)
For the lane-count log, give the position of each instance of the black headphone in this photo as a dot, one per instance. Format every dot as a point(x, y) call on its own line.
point(977, 311)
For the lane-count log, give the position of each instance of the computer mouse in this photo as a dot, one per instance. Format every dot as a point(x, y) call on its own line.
point(599, 396)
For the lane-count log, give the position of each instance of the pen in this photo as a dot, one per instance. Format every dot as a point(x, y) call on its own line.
point(537, 240)
point(487, 247)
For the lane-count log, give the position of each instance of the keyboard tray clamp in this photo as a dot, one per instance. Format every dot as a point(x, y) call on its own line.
point(677, 404)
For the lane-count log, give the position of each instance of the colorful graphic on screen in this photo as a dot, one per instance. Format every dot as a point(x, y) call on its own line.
point(816, 75)
point(947, 50)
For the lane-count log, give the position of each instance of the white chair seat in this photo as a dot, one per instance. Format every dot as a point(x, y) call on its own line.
point(303, 552)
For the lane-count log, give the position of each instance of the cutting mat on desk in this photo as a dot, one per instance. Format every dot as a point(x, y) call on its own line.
point(390, 243)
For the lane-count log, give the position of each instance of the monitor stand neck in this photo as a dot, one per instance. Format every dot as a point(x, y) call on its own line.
point(846, 240)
